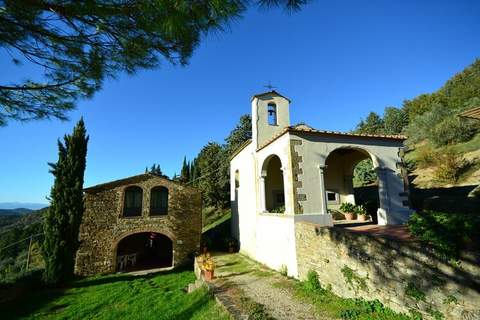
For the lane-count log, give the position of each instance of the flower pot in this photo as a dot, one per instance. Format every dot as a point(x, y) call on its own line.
point(362, 217)
point(208, 274)
point(348, 216)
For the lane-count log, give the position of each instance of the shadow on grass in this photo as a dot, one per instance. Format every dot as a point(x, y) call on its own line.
point(87, 282)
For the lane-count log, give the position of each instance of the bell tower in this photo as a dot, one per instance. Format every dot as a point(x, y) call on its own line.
point(270, 116)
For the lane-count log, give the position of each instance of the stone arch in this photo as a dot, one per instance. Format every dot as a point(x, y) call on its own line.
point(142, 230)
point(375, 159)
point(273, 199)
point(339, 165)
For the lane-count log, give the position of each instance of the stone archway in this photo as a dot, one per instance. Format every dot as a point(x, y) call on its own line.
point(143, 250)
point(339, 176)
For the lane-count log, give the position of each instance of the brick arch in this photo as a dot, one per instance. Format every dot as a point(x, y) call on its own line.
point(123, 235)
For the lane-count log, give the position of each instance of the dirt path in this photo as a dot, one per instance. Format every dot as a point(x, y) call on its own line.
point(262, 286)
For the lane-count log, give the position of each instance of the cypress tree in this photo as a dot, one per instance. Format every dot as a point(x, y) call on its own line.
point(63, 218)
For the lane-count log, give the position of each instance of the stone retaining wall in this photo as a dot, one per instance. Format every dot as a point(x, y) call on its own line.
point(402, 275)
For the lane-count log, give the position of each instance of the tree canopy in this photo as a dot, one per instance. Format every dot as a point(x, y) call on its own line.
point(78, 44)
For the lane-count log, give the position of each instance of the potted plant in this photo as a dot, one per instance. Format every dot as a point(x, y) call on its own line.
point(348, 210)
point(208, 267)
point(361, 213)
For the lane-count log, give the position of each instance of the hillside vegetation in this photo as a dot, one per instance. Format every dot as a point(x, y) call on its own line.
point(442, 148)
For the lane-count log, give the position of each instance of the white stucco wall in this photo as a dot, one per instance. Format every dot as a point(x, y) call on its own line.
point(276, 242)
point(243, 200)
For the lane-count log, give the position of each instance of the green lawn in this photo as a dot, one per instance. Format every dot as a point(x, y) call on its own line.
point(159, 296)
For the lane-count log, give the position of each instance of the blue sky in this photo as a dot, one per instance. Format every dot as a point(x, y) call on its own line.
point(336, 60)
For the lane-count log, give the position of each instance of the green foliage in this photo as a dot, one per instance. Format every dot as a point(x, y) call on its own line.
point(449, 166)
point(279, 209)
point(447, 233)
point(334, 306)
point(155, 169)
point(241, 133)
point(63, 218)
point(312, 283)
point(411, 290)
point(450, 299)
point(160, 296)
point(347, 207)
point(353, 279)
point(209, 171)
point(364, 173)
point(283, 270)
point(373, 124)
point(79, 45)
point(212, 167)
point(437, 315)
point(452, 130)
point(425, 156)
point(394, 120)
point(360, 210)
point(185, 175)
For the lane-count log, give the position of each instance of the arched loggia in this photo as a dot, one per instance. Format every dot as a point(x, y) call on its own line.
point(339, 171)
point(273, 188)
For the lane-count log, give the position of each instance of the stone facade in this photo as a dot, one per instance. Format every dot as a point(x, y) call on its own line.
point(363, 266)
point(104, 226)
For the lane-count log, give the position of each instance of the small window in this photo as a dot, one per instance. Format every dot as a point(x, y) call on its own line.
point(133, 202)
point(159, 201)
point(332, 197)
point(272, 114)
point(237, 179)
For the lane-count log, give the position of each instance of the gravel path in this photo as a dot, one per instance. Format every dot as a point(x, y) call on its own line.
point(262, 285)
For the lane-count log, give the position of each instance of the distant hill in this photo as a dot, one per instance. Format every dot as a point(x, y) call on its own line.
point(26, 205)
point(15, 212)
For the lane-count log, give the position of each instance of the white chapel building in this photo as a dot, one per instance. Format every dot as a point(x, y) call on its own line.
point(286, 174)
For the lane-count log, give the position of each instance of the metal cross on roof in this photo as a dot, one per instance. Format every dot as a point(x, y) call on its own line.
point(269, 86)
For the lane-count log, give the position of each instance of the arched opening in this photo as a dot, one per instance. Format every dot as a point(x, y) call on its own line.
point(237, 179)
point(274, 187)
point(133, 201)
point(159, 201)
point(350, 178)
point(272, 114)
point(144, 250)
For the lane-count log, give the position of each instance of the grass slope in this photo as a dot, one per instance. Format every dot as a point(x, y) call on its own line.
point(159, 296)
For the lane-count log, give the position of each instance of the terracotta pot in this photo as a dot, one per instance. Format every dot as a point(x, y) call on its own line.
point(362, 217)
point(208, 275)
point(348, 216)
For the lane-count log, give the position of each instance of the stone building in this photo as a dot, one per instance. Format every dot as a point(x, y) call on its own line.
point(287, 174)
point(140, 222)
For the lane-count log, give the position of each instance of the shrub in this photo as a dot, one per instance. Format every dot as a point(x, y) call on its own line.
point(447, 233)
point(312, 283)
point(283, 270)
point(452, 130)
point(450, 166)
point(426, 156)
